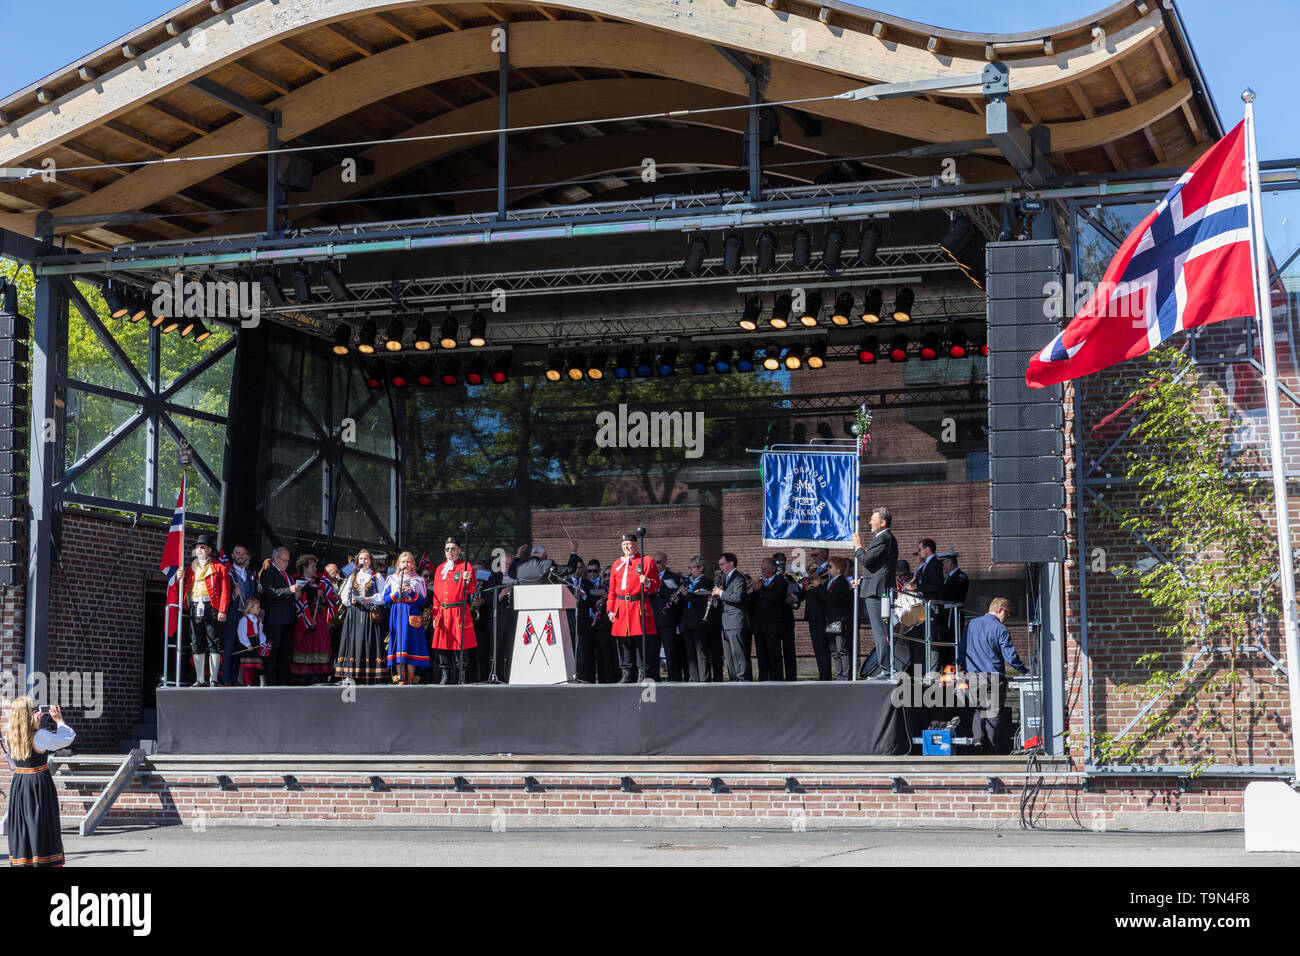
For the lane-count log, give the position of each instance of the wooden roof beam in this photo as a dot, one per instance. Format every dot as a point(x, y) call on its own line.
point(266, 76)
point(189, 122)
point(398, 26)
point(351, 39)
point(1118, 72)
point(444, 18)
point(306, 56)
point(1081, 101)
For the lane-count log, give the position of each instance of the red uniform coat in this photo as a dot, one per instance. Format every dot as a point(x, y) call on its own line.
point(452, 584)
point(635, 617)
point(218, 586)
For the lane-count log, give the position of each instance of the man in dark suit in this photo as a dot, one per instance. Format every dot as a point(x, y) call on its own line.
point(927, 583)
point(699, 626)
point(876, 563)
point(734, 603)
point(243, 585)
point(815, 613)
point(667, 606)
point(953, 591)
point(770, 612)
point(603, 655)
point(279, 604)
point(539, 569)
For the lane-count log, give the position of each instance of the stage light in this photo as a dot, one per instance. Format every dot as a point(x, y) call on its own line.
point(396, 329)
point(834, 248)
point(843, 308)
point(138, 310)
point(772, 357)
point(745, 358)
point(171, 323)
point(868, 244)
point(958, 237)
point(700, 363)
point(765, 257)
point(451, 371)
point(868, 348)
point(722, 361)
point(801, 249)
point(201, 331)
point(186, 326)
point(335, 283)
point(301, 285)
point(577, 367)
point(117, 307)
point(424, 378)
point(695, 254)
point(342, 338)
point(274, 294)
point(554, 367)
point(399, 376)
point(478, 329)
point(929, 347)
point(141, 306)
point(366, 337)
point(793, 357)
point(668, 362)
point(373, 378)
point(812, 309)
point(982, 346)
point(781, 312)
point(903, 305)
point(732, 249)
point(596, 365)
point(134, 315)
point(423, 339)
point(623, 364)
point(645, 364)
point(500, 373)
point(447, 334)
point(871, 306)
point(957, 344)
point(753, 309)
point(474, 370)
point(817, 355)
point(898, 348)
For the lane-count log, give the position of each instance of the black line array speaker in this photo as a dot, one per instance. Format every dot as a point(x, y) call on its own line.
point(1026, 425)
point(14, 415)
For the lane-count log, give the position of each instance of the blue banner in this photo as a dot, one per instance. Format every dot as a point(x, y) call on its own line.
point(809, 498)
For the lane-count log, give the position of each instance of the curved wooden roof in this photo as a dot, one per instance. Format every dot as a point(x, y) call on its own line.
point(1119, 90)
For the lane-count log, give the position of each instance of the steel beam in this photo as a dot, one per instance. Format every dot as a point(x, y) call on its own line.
point(503, 118)
point(47, 332)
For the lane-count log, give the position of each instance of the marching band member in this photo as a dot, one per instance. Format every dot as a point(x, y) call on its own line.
point(250, 630)
point(405, 595)
point(454, 582)
point(361, 645)
point(207, 592)
point(632, 579)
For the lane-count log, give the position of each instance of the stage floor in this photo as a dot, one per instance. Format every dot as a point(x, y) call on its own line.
point(774, 719)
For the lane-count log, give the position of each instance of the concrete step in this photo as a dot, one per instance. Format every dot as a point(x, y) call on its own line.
point(148, 745)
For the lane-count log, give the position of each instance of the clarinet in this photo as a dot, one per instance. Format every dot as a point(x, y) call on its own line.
point(717, 583)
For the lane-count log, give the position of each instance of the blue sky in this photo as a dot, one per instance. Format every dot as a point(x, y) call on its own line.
point(1249, 47)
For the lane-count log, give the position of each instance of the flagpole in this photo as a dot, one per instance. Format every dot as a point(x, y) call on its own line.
point(180, 584)
point(1280, 503)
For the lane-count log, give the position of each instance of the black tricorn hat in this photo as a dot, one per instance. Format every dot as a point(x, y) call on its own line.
point(629, 537)
point(452, 540)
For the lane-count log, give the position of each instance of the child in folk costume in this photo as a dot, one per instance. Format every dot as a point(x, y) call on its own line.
point(365, 627)
point(632, 579)
point(405, 595)
point(252, 639)
point(311, 639)
point(454, 582)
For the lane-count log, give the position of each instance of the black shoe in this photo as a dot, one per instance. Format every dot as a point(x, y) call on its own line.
point(627, 678)
point(446, 676)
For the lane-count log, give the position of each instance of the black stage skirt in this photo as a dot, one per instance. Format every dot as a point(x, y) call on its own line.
point(363, 652)
point(33, 820)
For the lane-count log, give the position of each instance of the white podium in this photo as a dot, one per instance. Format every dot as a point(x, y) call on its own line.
point(543, 651)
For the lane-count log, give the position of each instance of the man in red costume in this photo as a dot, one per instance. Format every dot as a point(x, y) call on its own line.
point(454, 582)
point(632, 579)
point(207, 595)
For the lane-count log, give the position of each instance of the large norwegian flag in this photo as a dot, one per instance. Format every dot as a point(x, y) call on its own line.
point(173, 560)
point(1187, 264)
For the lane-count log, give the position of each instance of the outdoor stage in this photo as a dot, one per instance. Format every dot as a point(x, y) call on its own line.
point(773, 719)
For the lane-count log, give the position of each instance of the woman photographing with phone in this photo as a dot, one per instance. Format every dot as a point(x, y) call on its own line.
point(32, 821)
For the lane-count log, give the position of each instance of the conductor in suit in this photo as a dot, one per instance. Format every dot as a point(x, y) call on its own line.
point(539, 569)
point(876, 565)
point(734, 604)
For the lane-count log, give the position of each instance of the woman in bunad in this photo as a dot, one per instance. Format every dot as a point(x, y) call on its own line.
point(33, 818)
point(311, 639)
point(408, 644)
point(361, 646)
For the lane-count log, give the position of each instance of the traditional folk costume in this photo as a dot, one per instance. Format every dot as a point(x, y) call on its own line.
point(250, 635)
point(633, 614)
point(207, 593)
point(33, 818)
point(405, 595)
point(454, 582)
point(365, 628)
point(311, 638)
